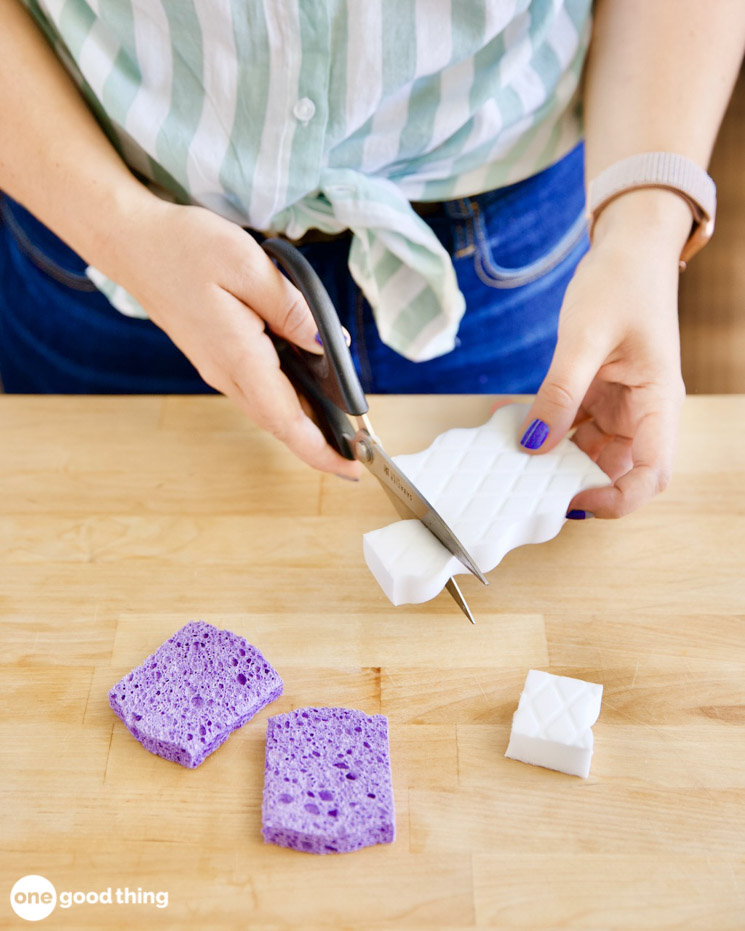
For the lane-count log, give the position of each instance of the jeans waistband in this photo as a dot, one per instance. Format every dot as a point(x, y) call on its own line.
point(53, 255)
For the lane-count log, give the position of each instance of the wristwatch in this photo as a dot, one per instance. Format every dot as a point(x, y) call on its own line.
point(660, 170)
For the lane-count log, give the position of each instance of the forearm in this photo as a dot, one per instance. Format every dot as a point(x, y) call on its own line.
point(54, 158)
point(659, 75)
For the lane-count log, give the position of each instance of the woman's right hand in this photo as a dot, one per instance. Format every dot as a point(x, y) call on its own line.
point(211, 288)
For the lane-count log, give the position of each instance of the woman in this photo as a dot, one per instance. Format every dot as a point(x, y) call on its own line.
point(445, 140)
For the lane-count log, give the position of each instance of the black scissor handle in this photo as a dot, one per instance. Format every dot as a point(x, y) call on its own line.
point(329, 382)
point(334, 370)
point(333, 423)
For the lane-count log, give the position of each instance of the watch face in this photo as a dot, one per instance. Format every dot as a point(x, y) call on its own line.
point(700, 235)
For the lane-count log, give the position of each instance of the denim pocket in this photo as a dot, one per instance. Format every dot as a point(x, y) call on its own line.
point(496, 275)
point(46, 263)
point(519, 233)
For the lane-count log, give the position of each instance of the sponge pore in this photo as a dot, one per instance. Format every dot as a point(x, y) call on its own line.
point(185, 699)
point(327, 781)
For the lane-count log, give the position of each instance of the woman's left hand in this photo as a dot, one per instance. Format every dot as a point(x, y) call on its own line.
point(616, 373)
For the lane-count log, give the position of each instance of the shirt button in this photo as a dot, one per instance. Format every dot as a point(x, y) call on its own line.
point(304, 109)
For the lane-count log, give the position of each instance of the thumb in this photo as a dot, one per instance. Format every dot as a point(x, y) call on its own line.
point(559, 398)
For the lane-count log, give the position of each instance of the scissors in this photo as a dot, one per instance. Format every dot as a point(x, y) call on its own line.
point(330, 384)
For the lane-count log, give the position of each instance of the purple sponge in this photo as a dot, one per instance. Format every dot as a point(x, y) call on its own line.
point(197, 687)
point(327, 781)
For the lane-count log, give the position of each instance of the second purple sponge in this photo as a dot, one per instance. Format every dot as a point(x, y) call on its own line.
point(198, 686)
point(327, 781)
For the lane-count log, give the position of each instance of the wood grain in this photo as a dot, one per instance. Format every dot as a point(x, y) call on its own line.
point(123, 518)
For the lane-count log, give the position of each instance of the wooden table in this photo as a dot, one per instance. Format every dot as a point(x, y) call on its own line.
point(123, 518)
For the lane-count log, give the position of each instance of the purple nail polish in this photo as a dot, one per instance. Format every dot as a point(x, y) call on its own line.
point(535, 436)
point(347, 337)
point(576, 514)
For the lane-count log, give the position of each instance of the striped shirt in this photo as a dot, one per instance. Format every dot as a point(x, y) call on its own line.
point(287, 115)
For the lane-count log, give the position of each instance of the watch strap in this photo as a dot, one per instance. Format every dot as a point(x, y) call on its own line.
point(660, 170)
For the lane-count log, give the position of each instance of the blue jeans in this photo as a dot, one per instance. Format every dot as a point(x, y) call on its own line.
point(514, 250)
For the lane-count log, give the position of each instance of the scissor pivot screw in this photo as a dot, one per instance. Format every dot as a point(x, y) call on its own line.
point(364, 453)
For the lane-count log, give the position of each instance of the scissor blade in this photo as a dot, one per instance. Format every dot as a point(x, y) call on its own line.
point(457, 595)
point(451, 585)
point(408, 500)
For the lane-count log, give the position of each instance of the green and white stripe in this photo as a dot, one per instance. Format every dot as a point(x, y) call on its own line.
point(287, 115)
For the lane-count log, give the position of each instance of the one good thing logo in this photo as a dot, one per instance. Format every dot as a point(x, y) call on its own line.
point(34, 897)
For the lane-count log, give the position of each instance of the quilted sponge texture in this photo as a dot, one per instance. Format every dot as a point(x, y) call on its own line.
point(552, 726)
point(494, 495)
point(198, 687)
point(327, 781)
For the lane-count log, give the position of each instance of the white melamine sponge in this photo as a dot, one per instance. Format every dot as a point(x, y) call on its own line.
point(493, 494)
point(552, 726)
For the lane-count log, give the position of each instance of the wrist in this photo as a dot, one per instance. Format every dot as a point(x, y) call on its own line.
point(650, 222)
point(110, 229)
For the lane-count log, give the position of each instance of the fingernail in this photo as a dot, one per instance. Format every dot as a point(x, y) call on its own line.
point(345, 331)
point(579, 515)
point(535, 436)
point(347, 478)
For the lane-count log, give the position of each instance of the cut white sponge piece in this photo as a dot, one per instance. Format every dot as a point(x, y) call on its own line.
point(552, 726)
point(494, 496)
